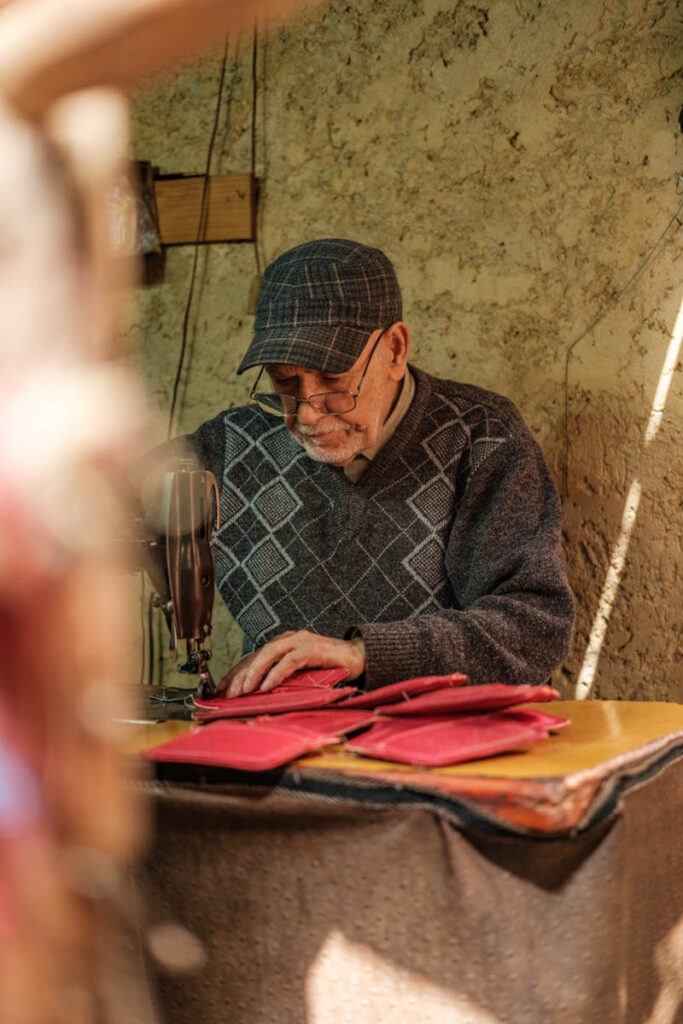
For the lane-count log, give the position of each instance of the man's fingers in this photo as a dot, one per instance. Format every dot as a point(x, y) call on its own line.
point(248, 675)
point(288, 653)
point(235, 688)
point(311, 652)
point(283, 669)
point(232, 682)
point(242, 684)
point(264, 659)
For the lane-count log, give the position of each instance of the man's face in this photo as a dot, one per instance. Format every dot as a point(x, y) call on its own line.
point(338, 438)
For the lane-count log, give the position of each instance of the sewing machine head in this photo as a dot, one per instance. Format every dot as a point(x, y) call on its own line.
point(177, 558)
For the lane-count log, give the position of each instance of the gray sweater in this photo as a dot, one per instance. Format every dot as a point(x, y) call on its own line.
point(445, 555)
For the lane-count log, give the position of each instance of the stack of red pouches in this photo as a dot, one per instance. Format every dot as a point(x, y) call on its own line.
point(283, 724)
point(423, 721)
point(448, 727)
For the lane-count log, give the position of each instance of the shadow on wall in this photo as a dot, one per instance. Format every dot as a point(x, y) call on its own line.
point(623, 546)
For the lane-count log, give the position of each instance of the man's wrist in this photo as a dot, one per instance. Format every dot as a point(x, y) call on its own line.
point(358, 644)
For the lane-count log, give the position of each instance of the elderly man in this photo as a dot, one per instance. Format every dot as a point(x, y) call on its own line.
point(373, 516)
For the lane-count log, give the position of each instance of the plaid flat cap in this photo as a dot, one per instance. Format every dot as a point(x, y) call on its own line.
point(320, 302)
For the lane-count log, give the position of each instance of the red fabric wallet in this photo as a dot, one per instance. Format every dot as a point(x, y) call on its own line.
point(247, 746)
point(435, 742)
point(530, 716)
point(308, 679)
point(471, 698)
point(339, 722)
point(404, 689)
point(260, 703)
point(314, 678)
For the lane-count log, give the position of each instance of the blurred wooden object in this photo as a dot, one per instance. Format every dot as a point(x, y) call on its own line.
point(49, 48)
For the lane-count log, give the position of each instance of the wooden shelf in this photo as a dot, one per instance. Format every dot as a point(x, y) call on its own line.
point(229, 214)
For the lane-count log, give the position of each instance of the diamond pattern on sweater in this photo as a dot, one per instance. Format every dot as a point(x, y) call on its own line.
point(280, 447)
point(433, 503)
point(258, 620)
point(445, 445)
point(267, 562)
point(233, 502)
point(482, 448)
point(275, 504)
point(425, 564)
point(224, 560)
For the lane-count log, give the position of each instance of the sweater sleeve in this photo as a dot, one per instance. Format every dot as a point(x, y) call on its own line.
point(208, 445)
point(513, 611)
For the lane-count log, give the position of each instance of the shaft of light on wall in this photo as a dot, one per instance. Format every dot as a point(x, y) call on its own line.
point(609, 593)
point(665, 378)
point(610, 587)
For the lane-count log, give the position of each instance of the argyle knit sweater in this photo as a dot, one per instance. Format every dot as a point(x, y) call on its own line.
point(444, 556)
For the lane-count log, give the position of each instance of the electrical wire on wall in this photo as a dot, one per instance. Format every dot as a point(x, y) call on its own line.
point(200, 232)
point(254, 108)
point(143, 631)
point(182, 358)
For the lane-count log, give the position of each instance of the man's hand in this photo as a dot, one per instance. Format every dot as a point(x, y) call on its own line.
point(288, 653)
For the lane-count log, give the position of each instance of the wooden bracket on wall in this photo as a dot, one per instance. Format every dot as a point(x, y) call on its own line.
point(230, 208)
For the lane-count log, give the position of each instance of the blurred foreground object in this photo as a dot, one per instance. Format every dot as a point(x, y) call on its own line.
point(52, 47)
point(70, 422)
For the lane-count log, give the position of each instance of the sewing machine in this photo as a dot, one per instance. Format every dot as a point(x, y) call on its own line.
point(176, 555)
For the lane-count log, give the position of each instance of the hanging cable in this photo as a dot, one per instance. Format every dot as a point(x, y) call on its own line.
point(151, 655)
point(150, 633)
point(200, 233)
point(143, 645)
point(254, 104)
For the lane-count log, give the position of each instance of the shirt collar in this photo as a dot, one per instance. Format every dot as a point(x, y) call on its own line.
point(357, 466)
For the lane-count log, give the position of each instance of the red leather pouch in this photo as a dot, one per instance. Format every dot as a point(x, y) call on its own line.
point(403, 690)
point(272, 702)
point(337, 722)
point(393, 726)
point(541, 719)
point(471, 698)
point(445, 741)
point(247, 746)
point(316, 678)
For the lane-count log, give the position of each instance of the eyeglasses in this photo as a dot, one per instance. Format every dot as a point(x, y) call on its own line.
point(326, 402)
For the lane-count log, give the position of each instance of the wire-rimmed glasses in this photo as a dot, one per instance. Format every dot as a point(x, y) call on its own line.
point(330, 402)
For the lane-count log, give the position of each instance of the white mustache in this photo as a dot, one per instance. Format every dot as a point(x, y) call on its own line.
point(320, 429)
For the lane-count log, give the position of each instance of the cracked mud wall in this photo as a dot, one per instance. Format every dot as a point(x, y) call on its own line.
point(517, 161)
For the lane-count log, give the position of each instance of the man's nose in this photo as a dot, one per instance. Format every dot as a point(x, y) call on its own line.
point(306, 414)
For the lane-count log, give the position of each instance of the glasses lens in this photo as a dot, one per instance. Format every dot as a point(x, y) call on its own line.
point(336, 401)
point(285, 405)
point(279, 405)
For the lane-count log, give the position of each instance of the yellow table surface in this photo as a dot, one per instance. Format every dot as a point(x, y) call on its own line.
point(599, 731)
point(548, 787)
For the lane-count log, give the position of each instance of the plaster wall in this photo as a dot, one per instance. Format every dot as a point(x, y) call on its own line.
point(517, 161)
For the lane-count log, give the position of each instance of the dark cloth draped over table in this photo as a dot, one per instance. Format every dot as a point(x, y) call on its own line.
point(318, 910)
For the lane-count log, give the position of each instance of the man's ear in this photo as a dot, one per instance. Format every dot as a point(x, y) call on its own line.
point(398, 337)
